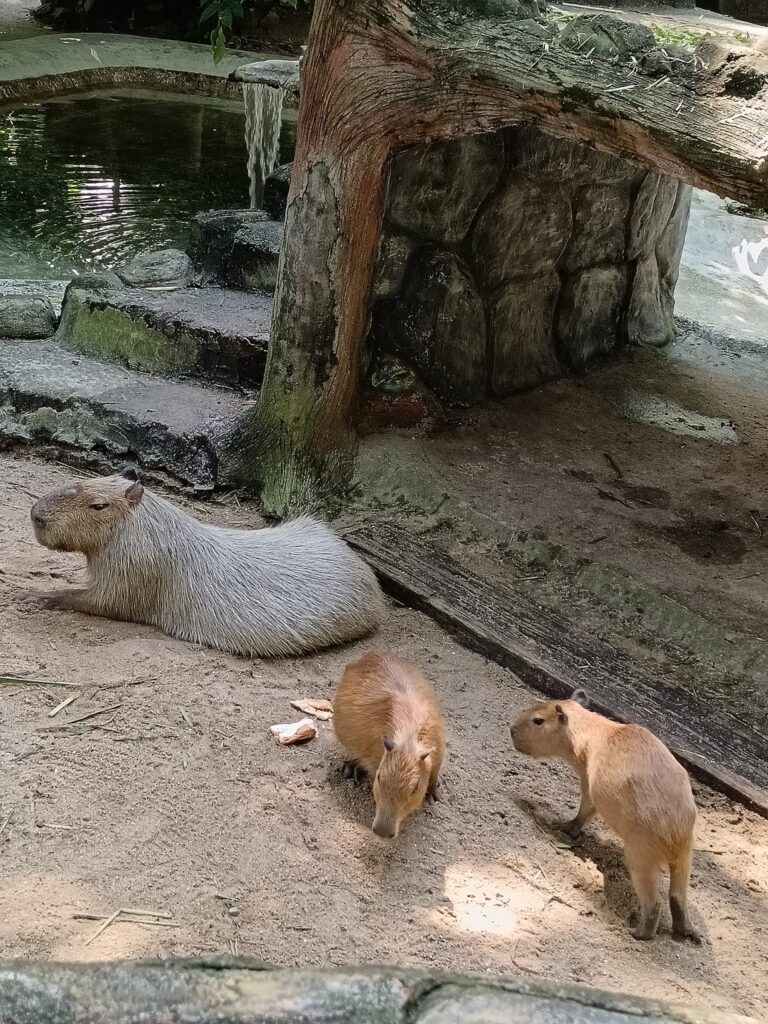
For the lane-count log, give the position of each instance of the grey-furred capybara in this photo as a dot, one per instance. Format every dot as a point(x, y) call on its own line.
point(271, 592)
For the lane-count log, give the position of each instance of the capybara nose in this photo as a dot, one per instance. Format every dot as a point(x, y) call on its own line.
point(383, 831)
point(38, 518)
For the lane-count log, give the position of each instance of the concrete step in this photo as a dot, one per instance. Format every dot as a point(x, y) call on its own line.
point(212, 333)
point(100, 415)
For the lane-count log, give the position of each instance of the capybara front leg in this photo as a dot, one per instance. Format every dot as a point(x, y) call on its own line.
point(586, 813)
point(65, 600)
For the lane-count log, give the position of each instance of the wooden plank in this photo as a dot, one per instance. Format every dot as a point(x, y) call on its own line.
point(549, 654)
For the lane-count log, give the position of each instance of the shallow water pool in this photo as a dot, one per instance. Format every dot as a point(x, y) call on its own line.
point(94, 179)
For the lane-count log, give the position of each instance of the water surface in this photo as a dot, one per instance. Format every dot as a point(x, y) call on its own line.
point(94, 179)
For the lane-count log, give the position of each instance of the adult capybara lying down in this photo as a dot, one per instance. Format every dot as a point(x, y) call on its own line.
point(278, 591)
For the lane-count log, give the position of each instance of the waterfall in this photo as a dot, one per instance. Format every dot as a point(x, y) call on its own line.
point(263, 117)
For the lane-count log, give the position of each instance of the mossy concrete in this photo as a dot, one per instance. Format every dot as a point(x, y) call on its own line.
point(200, 332)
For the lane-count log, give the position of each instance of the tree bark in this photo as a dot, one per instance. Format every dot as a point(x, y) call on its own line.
point(382, 75)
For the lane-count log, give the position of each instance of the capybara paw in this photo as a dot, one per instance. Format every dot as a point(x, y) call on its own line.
point(41, 598)
point(641, 934)
point(352, 770)
point(570, 827)
point(688, 934)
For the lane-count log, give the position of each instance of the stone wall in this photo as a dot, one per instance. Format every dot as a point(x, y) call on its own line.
point(513, 258)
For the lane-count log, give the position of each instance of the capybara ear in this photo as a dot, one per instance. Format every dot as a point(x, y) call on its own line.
point(426, 752)
point(561, 715)
point(130, 473)
point(135, 493)
point(580, 696)
point(388, 743)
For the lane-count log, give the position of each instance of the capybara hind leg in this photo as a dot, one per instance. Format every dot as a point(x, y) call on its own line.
point(432, 789)
point(645, 878)
point(679, 877)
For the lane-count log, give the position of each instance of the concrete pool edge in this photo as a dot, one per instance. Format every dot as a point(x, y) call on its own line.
point(43, 67)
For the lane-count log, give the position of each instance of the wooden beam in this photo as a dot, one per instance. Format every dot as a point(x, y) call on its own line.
point(550, 655)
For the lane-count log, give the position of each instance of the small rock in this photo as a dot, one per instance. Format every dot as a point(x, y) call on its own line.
point(26, 316)
point(163, 268)
point(255, 255)
point(276, 191)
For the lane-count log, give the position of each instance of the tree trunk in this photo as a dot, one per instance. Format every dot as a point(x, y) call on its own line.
point(381, 75)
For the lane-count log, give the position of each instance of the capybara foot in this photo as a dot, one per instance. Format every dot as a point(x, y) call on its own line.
point(352, 770)
point(689, 933)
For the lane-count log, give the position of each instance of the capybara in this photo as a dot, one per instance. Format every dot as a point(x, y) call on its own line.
point(387, 718)
point(634, 783)
point(272, 592)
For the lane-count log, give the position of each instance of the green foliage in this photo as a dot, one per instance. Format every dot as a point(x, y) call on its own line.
point(223, 15)
point(675, 36)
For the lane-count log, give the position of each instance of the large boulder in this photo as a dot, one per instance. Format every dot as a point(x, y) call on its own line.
point(26, 316)
point(435, 191)
point(438, 325)
point(164, 268)
point(213, 235)
point(590, 313)
point(522, 330)
point(521, 232)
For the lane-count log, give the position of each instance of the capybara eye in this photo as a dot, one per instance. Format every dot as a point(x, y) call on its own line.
point(100, 507)
point(538, 721)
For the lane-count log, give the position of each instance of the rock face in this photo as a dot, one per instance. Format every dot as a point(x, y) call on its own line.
point(510, 259)
point(436, 190)
point(26, 316)
point(439, 324)
point(164, 268)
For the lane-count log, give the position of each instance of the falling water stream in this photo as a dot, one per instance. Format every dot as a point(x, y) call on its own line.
point(263, 119)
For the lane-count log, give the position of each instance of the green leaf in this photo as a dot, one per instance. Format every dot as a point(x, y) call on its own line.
point(219, 41)
point(209, 11)
point(225, 18)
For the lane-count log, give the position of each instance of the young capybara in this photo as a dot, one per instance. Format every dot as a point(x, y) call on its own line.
point(387, 718)
point(262, 593)
point(634, 783)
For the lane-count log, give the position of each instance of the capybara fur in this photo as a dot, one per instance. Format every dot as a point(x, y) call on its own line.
point(271, 592)
point(387, 718)
point(634, 783)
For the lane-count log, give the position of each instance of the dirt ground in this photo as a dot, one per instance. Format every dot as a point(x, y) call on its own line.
point(174, 798)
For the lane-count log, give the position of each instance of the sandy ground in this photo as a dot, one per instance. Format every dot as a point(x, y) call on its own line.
point(267, 851)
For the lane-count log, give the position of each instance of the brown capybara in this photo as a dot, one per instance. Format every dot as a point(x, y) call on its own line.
point(387, 717)
point(634, 783)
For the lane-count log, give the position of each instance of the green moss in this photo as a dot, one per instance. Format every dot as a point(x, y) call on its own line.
point(112, 334)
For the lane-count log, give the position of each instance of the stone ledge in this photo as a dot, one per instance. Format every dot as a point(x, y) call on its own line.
point(203, 332)
point(102, 415)
point(243, 991)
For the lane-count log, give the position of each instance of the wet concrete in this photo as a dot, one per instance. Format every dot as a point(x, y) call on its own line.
point(99, 415)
